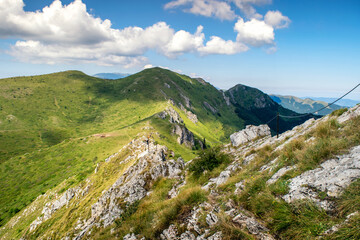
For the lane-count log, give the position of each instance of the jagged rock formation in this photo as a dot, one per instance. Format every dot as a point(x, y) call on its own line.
point(185, 136)
point(351, 113)
point(249, 133)
point(133, 185)
point(58, 203)
point(174, 116)
point(191, 116)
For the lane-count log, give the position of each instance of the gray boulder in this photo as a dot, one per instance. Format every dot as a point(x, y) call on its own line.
point(249, 133)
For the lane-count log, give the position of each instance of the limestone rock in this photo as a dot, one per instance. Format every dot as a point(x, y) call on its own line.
point(190, 115)
point(184, 135)
point(279, 174)
point(134, 184)
point(351, 113)
point(200, 80)
point(175, 189)
point(240, 186)
point(51, 207)
point(249, 133)
point(216, 236)
point(187, 100)
point(226, 98)
point(223, 177)
point(187, 236)
point(174, 116)
point(130, 237)
point(170, 233)
point(211, 219)
point(253, 226)
point(211, 108)
point(331, 177)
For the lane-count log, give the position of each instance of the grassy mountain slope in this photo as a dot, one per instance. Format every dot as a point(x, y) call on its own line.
point(47, 121)
point(256, 107)
point(42, 111)
point(303, 105)
point(60, 126)
point(245, 192)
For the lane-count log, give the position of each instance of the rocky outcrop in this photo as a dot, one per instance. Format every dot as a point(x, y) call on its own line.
point(223, 177)
point(226, 98)
point(351, 113)
point(51, 207)
point(170, 233)
point(185, 136)
point(211, 219)
point(174, 116)
point(211, 108)
point(133, 185)
point(187, 100)
point(331, 177)
point(200, 80)
point(281, 172)
point(252, 225)
point(251, 132)
point(190, 115)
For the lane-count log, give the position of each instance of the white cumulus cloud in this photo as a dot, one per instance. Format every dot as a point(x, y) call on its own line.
point(254, 32)
point(219, 46)
point(276, 19)
point(69, 34)
point(183, 41)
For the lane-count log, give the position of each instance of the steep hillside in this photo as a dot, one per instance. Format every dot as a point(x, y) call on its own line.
point(55, 129)
point(61, 125)
point(256, 107)
point(302, 185)
point(42, 111)
point(304, 105)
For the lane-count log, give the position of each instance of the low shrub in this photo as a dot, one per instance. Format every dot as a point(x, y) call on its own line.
point(207, 160)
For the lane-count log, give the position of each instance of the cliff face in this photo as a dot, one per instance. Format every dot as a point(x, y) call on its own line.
point(293, 187)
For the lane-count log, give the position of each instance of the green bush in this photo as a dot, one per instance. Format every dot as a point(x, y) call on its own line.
point(338, 112)
point(207, 160)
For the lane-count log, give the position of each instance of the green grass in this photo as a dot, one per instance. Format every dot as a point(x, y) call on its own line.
point(43, 119)
point(25, 177)
point(303, 219)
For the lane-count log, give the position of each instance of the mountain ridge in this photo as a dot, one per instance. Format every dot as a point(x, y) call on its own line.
point(53, 125)
point(306, 105)
point(246, 196)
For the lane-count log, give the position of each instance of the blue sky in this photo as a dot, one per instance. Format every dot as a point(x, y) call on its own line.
point(301, 48)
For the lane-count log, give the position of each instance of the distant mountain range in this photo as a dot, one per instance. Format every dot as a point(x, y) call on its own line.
point(112, 76)
point(342, 102)
point(306, 105)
